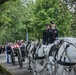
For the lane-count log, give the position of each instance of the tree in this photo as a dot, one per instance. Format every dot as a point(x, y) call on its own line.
point(3, 1)
point(73, 24)
point(16, 16)
point(47, 10)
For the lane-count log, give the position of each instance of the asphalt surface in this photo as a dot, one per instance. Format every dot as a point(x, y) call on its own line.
point(15, 69)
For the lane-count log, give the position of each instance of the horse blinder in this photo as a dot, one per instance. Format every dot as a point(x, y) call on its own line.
point(67, 45)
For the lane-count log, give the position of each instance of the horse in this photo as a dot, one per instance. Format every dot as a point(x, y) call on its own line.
point(65, 57)
point(51, 51)
point(37, 57)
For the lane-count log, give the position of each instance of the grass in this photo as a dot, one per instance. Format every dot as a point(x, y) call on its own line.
point(4, 71)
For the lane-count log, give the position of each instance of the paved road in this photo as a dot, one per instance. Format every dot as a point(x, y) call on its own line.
point(15, 69)
point(2, 58)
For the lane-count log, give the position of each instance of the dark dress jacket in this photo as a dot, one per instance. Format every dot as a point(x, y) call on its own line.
point(46, 38)
point(53, 35)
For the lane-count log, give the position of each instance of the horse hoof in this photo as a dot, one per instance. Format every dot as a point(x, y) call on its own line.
point(30, 71)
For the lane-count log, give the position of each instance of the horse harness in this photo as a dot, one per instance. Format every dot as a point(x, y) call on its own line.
point(34, 52)
point(66, 63)
point(54, 51)
point(65, 51)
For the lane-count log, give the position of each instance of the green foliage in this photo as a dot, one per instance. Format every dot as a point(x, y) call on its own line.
point(18, 16)
point(47, 10)
point(73, 25)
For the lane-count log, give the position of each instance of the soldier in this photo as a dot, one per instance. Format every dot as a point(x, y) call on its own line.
point(53, 33)
point(46, 34)
point(23, 47)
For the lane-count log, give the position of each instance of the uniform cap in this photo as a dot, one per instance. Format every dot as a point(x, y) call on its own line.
point(52, 22)
point(47, 24)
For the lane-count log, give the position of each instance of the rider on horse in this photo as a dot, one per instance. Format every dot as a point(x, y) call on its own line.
point(46, 34)
point(50, 34)
point(53, 33)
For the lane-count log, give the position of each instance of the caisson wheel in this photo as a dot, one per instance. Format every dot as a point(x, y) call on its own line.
point(12, 56)
point(20, 58)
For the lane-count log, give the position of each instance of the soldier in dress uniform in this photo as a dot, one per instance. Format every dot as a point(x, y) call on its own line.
point(53, 33)
point(46, 38)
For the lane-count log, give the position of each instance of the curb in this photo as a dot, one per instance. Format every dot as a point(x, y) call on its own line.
point(4, 71)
